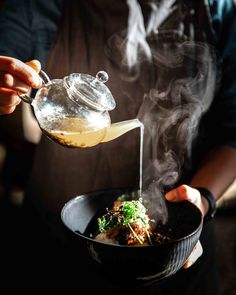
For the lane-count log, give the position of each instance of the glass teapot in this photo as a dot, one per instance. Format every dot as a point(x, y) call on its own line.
point(73, 111)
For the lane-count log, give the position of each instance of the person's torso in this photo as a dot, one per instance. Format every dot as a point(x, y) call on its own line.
point(95, 38)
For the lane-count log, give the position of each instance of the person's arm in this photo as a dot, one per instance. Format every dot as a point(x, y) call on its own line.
point(216, 174)
point(217, 170)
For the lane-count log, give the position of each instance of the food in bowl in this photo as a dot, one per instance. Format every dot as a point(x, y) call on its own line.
point(127, 223)
point(150, 263)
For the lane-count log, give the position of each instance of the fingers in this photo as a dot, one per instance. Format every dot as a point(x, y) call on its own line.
point(7, 110)
point(35, 64)
point(8, 101)
point(9, 81)
point(196, 253)
point(16, 78)
point(185, 193)
point(27, 73)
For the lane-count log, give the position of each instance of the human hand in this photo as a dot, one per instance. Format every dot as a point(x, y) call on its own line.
point(187, 193)
point(16, 78)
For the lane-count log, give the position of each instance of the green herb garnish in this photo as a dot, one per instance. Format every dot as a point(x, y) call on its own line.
point(127, 213)
point(132, 211)
point(107, 222)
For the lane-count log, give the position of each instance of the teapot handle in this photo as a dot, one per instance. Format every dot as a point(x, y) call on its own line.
point(46, 80)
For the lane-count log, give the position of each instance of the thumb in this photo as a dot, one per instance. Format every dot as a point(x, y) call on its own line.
point(184, 193)
point(35, 64)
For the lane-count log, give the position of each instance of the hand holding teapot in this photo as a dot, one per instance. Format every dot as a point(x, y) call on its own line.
point(73, 111)
point(16, 78)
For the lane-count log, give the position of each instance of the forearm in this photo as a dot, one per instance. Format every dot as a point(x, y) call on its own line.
point(217, 171)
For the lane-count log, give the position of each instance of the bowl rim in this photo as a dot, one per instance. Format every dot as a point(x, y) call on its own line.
point(90, 239)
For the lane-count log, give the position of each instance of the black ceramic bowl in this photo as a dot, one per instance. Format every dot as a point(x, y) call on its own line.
point(146, 264)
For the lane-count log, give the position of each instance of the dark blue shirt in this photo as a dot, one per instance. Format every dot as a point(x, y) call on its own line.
point(28, 28)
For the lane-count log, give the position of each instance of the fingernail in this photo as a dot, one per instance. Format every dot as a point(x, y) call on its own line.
point(35, 64)
point(37, 82)
point(22, 89)
point(187, 264)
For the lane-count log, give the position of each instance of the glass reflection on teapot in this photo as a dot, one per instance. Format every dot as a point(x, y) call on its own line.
point(73, 111)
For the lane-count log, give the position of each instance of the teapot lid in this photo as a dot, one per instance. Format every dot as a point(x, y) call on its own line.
point(90, 90)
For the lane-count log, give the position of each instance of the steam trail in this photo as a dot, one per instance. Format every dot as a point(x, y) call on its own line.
point(171, 113)
point(183, 91)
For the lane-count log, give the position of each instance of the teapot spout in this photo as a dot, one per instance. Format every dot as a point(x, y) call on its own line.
point(120, 128)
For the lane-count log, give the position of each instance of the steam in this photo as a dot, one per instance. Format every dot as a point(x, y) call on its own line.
point(171, 115)
point(171, 112)
point(183, 91)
